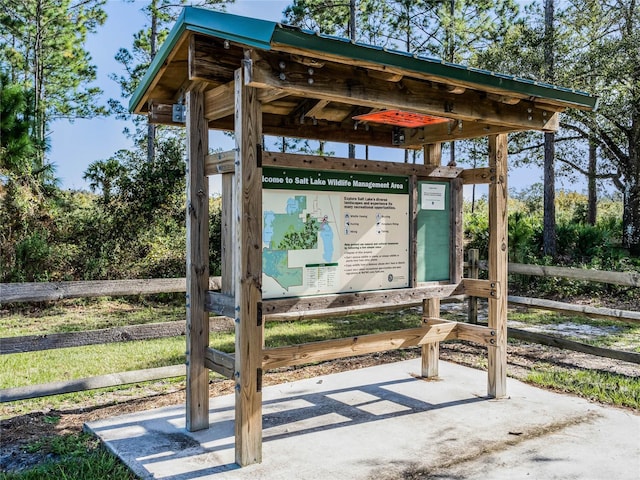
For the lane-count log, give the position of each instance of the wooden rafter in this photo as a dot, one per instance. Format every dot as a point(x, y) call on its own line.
point(346, 84)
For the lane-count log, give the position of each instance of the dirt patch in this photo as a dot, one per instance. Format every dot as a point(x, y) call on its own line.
point(19, 431)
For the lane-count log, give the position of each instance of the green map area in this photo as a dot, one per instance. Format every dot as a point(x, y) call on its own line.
point(283, 232)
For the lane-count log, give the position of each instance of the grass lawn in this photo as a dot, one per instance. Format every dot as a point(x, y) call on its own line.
point(79, 456)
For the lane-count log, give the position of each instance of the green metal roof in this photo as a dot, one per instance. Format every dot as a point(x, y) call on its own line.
point(263, 34)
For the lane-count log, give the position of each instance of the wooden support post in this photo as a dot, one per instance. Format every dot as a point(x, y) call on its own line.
point(197, 331)
point(472, 311)
point(498, 258)
point(413, 230)
point(456, 259)
point(248, 272)
point(431, 306)
point(227, 236)
point(430, 351)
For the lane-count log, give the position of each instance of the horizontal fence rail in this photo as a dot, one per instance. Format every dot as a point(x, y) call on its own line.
point(42, 292)
point(628, 279)
point(46, 292)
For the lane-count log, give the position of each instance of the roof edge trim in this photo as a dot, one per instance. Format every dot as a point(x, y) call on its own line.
point(243, 30)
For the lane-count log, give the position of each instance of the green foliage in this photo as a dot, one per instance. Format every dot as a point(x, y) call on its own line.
point(579, 244)
point(42, 48)
point(76, 456)
point(609, 388)
point(16, 123)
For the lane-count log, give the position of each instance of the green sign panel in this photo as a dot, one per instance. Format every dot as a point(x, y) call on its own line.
point(434, 231)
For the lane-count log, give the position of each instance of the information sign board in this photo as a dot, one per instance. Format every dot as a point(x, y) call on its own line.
point(333, 232)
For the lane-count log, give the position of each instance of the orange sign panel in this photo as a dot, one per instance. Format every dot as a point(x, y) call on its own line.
point(400, 118)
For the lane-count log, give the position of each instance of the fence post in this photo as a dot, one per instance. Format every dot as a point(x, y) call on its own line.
point(472, 310)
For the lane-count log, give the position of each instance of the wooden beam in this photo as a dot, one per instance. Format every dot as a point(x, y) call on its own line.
point(162, 114)
point(438, 81)
point(221, 303)
point(346, 84)
point(479, 288)
point(127, 333)
point(218, 102)
point(476, 334)
point(349, 347)
point(339, 300)
point(450, 131)
point(220, 362)
point(498, 251)
point(284, 126)
point(197, 395)
point(317, 108)
point(247, 260)
point(210, 61)
point(317, 162)
point(221, 162)
point(631, 279)
point(271, 95)
point(474, 176)
point(52, 291)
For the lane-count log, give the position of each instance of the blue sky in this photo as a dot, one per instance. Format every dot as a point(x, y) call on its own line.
point(75, 145)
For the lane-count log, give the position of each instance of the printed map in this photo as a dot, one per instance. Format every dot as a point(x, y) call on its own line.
point(296, 233)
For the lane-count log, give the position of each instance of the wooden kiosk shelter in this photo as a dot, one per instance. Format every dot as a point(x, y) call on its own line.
point(254, 77)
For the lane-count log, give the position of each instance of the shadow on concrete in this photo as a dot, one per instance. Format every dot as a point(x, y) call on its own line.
point(160, 437)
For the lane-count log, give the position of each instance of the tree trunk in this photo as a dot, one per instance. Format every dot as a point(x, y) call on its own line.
point(631, 218)
point(549, 221)
point(631, 194)
point(592, 190)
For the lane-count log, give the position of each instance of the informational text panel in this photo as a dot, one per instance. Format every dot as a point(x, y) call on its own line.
point(333, 232)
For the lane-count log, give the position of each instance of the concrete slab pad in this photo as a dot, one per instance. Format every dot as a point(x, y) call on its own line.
point(384, 422)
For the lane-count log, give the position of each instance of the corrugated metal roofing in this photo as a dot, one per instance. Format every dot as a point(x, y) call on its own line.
point(263, 34)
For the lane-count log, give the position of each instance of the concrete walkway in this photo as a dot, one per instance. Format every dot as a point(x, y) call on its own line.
point(384, 423)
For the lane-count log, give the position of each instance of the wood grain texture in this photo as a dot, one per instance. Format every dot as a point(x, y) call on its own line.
point(347, 84)
point(352, 346)
point(472, 309)
point(479, 288)
point(52, 291)
point(498, 252)
point(220, 362)
point(631, 279)
point(399, 296)
point(571, 309)
point(247, 262)
point(476, 176)
point(457, 234)
point(430, 355)
point(227, 270)
point(430, 352)
point(128, 333)
point(222, 162)
point(317, 162)
point(197, 388)
point(90, 383)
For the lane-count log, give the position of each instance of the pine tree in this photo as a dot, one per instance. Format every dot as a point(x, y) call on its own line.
point(42, 47)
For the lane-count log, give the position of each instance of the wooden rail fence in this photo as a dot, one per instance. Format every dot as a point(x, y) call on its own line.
point(41, 292)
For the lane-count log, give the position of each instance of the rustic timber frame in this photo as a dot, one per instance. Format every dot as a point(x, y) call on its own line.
point(258, 78)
